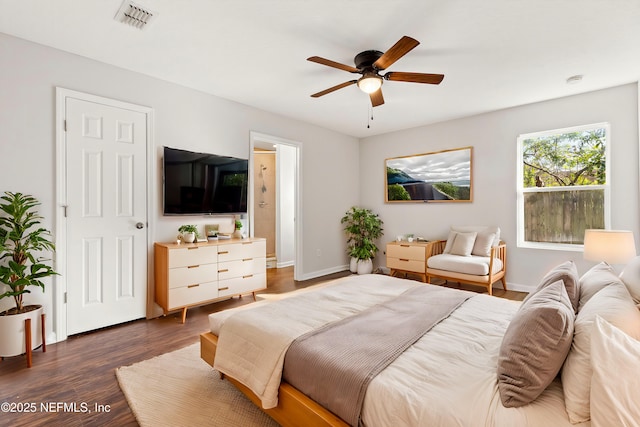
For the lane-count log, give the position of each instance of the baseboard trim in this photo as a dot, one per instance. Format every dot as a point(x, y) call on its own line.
point(325, 272)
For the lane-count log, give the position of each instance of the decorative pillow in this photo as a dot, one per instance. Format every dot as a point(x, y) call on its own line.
point(614, 397)
point(449, 244)
point(535, 345)
point(596, 278)
point(630, 276)
point(614, 304)
point(463, 244)
point(484, 241)
point(479, 229)
point(568, 273)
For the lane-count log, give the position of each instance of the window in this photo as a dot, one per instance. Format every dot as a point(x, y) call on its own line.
point(563, 188)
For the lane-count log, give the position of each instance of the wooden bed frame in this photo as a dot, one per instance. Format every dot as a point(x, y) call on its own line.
point(294, 408)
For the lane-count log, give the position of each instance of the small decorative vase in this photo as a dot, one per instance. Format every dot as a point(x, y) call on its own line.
point(365, 266)
point(237, 234)
point(189, 237)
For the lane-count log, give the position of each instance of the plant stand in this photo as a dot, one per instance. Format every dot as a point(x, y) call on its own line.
point(27, 339)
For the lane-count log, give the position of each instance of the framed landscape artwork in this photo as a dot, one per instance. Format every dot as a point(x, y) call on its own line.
point(443, 176)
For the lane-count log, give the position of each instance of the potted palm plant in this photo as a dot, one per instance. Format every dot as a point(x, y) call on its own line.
point(21, 241)
point(362, 228)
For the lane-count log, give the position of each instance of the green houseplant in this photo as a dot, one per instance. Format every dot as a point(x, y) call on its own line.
point(362, 228)
point(21, 240)
point(189, 232)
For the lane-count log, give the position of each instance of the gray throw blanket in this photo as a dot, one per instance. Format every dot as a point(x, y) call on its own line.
point(334, 364)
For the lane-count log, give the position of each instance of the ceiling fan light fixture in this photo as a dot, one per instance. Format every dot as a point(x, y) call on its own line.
point(370, 83)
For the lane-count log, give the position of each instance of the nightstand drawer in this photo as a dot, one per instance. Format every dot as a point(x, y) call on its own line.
point(417, 253)
point(406, 264)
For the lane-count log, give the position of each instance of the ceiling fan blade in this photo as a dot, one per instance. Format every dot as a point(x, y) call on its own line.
point(395, 52)
point(334, 88)
point(397, 76)
point(333, 64)
point(376, 98)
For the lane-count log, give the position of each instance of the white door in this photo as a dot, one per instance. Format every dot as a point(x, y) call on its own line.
point(106, 215)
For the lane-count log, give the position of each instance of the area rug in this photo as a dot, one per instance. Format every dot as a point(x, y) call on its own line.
point(179, 388)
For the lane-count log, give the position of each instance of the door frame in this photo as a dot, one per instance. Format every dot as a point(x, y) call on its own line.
point(257, 136)
point(59, 296)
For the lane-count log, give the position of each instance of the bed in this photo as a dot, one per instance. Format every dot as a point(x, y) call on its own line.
point(450, 376)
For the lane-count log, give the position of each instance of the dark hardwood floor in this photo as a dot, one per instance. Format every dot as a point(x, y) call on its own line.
point(81, 370)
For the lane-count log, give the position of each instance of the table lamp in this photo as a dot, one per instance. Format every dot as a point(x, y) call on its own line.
point(611, 246)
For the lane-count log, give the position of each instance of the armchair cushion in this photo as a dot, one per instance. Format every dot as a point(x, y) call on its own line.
point(463, 243)
point(473, 265)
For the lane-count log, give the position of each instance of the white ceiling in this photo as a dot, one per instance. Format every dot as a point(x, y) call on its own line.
point(494, 53)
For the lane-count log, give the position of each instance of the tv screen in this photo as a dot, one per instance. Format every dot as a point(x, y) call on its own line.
point(200, 183)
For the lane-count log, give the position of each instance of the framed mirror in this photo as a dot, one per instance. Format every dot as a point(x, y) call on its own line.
point(442, 176)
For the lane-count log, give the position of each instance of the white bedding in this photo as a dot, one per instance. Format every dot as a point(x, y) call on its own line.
point(448, 378)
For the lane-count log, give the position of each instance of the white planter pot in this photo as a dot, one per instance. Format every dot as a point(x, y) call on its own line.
point(12, 337)
point(189, 237)
point(353, 265)
point(365, 266)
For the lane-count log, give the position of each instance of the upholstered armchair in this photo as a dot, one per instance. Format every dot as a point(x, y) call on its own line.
point(471, 254)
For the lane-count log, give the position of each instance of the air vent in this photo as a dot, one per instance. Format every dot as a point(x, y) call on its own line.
point(134, 14)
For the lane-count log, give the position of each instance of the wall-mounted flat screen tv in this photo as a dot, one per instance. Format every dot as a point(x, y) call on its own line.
point(200, 183)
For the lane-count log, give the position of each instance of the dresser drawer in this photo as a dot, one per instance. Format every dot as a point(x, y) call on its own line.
point(195, 255)
point(193, 294)
point(236, 251)
point(239, 268)
point(184, 276)
point(417, 253)
point(406, 264)
point(241, 285)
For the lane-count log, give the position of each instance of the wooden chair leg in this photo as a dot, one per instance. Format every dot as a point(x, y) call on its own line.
point(27, 340)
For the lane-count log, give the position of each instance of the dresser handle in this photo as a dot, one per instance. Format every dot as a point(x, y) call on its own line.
point(193, 248)
point(193, 286)
point(247, 243)
point(403, 259)
point(223, 252)
point(223, 271)
point(405, 246)
point(223, 289)
point(193, 266)
point(247, 259)
point(247, 276)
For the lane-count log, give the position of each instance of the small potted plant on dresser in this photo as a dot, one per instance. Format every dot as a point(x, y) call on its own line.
point(238, 229)
point(362, 228)
point(188, 232)
point(21, 240)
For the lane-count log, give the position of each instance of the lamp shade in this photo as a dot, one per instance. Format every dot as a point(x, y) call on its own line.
point(612, 246)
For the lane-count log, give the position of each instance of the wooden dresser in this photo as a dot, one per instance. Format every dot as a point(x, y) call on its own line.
point(191, 274)
point(405, 257)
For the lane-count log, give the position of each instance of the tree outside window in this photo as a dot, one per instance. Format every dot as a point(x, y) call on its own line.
point(562, 186)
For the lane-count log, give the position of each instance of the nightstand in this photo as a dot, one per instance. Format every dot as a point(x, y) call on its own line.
point(408, 257)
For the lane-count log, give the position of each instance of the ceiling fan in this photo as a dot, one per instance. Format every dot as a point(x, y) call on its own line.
point(370, 62)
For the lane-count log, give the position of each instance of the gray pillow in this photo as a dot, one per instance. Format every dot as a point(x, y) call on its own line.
point(568, 273)
point(535, 345)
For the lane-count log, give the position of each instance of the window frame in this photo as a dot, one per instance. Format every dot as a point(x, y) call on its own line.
point(521, 190)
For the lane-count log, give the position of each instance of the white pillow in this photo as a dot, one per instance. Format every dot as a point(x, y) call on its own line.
point(631, 278)
point(614, 304)
point(449, 244)
point(484, 241)
point(479, 229)
point(598, 277)
point(615, 359)
point(463, 244)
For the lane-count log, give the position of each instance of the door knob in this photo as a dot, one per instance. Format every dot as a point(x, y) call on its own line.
point(139, 225)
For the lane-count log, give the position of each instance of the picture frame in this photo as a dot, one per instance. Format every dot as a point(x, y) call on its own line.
point(438, 177)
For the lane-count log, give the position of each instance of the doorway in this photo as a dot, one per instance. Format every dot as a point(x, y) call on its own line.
point(274, 199)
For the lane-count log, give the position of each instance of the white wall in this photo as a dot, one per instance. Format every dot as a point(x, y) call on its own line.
point(493, 137)
point(184, 118)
